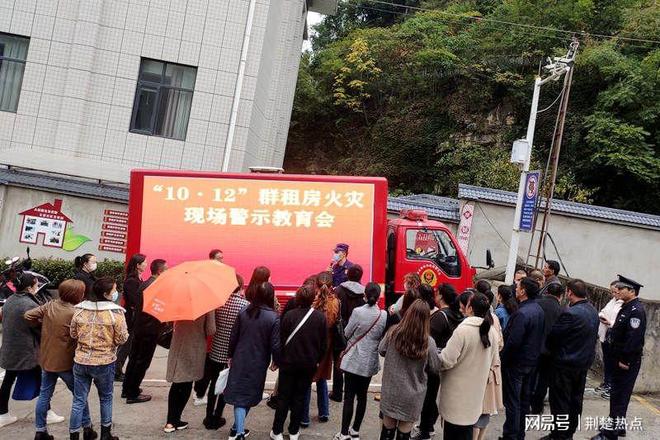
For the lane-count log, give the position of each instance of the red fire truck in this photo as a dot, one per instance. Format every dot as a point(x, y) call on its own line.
point(291, 224)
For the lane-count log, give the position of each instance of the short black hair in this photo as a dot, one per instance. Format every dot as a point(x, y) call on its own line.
point(214, 253)
point(354, 273)
point(25, 280)
point(157, 265)
point(578, 287)
point(555, 289)
point(530, 286)
point(554, 266)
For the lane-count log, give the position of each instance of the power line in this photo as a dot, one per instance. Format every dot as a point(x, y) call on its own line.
point(510, 23)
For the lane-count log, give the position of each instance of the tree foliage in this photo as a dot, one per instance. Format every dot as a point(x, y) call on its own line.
point(434, 98)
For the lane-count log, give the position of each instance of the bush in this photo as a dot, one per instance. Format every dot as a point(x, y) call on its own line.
point(58, 270)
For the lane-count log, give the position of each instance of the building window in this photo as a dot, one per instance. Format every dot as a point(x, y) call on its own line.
point(13, 51)
point(163, 99)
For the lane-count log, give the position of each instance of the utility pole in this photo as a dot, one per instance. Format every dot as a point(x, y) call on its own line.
point(549, 190)
point(522, 151)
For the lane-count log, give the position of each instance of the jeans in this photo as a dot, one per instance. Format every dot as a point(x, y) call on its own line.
point(240, 414)
point(322, 401)
point(517, 395)
point(356, 388)
point(103, 377)
point(177, 400)
point(48, 382)
point(293, 386)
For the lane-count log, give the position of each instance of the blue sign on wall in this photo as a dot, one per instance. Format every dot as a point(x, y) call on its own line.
point(532, 182)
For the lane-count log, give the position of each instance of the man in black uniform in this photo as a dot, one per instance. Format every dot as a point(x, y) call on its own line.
point(627, 342)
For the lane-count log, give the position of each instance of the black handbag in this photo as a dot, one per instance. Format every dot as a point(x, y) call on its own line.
point(165, 336)
point(339, 341)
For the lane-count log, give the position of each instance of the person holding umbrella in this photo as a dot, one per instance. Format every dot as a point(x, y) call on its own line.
point(255, 339)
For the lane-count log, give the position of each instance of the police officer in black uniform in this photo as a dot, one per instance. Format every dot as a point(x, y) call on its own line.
point(627, 341)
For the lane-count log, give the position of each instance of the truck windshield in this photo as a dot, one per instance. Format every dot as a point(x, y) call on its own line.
point(433, 245)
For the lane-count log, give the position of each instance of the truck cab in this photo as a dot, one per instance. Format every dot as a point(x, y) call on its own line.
point(426, 247)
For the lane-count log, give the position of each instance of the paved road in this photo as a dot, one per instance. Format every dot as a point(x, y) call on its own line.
point(146, 420)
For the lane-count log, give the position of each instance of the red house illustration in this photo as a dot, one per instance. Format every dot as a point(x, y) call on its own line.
point(46, 220)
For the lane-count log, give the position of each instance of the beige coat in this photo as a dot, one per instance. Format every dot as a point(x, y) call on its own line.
point(493, 397)
point(465, 365)
point(185, 361)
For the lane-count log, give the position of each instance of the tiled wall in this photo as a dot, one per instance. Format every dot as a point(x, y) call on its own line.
point(82, 66)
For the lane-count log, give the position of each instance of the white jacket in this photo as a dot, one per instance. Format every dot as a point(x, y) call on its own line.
point(609, 312)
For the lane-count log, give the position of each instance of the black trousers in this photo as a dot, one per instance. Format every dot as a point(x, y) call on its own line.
point(215, 404)
point(142, 353)
point(541, 384)
point(123, 352)
point(5, 390)
point(456, 432)
point(293, 386)
point(177, 400)
point(566, 395)
point(623, 382)
point(203, 384)
point(430, 413)
point(517, 392)
point(337, 377)
point(356, 388)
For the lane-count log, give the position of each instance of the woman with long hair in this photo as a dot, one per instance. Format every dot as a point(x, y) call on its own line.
point(327, 303)
point(409, 353)
point(254, 341)
point(506, 305)
point(260, 275)
point(466, 362)
point(133, 304)
point(99, 326)
point(359, 361)
point(56, 352)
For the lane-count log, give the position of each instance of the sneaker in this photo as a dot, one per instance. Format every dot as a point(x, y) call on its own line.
point(323, 419)
point(52, 418)
point(304, 425)
point(335, 397)
point(274, 436)
point(233, 436)
point(605, 394)
point(294, 436)
point(7, 419)
point(340, 436)
point(199, 401)
point(214, 423)
point(354, 434)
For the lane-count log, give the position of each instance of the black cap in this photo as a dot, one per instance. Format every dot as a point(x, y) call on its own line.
point(628, 283)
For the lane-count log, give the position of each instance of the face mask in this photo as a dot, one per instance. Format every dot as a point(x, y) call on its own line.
point(92, 267)
point(336, 257)
point(115, 296)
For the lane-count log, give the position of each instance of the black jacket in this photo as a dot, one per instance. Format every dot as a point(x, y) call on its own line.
point(627, 335)
point(443, 324)
point(86, 278)
point(572, 340)
point(523, 336)
point(132, 299)
point(351, 295)
point(551, 311)
point(308, 345)
point(146, 326)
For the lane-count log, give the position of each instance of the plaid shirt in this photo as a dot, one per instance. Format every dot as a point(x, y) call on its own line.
point(225, 317)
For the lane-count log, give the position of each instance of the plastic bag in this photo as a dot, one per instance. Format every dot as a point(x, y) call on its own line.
point(221, 383)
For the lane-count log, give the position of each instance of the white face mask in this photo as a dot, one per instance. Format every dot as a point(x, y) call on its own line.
point(115, 296)
point(92, 267)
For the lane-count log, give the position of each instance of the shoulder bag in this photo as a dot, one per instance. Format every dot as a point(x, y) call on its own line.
point(300, 324)
point(361, 336)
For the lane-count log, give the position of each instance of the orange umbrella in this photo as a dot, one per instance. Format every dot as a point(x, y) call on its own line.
point(189, 290)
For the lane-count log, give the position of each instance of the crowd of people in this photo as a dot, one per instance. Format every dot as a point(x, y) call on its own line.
point(458, 357)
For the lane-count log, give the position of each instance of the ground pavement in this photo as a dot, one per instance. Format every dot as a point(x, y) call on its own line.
point(145, 421)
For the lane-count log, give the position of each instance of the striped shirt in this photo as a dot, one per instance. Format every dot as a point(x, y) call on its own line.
point(225, 317)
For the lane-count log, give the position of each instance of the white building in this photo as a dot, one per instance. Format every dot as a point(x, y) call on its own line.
point(94, 88)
